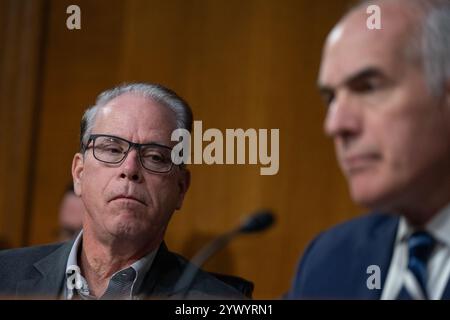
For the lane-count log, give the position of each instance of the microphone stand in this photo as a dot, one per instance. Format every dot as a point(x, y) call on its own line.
point(255, 223)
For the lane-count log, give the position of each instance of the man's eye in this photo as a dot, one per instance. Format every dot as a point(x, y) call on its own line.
point(365, 86)
point(155, 157)
point(327, 96)
point(328, 99)
point(114, 149)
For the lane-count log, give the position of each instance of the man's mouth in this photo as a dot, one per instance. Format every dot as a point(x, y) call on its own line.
point(129, 198)
point(360, 162)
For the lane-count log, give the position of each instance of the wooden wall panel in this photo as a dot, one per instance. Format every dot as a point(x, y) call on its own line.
point(79, 64)
point(240, 64)
point(22, 24)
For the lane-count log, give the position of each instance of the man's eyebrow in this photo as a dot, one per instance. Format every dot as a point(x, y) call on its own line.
point(369, 72)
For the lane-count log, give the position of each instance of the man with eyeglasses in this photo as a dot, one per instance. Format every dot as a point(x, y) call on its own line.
point(130, 188)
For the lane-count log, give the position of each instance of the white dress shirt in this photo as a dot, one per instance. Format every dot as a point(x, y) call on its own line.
point(438, 269)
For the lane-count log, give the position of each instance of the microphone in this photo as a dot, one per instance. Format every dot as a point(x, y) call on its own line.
point(259, 221)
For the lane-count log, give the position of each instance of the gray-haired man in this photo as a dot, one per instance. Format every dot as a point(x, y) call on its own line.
point(130, 188)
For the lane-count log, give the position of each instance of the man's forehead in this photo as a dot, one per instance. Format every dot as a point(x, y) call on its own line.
point(336, 69)
point(137, 106)
point(128, 101)
point(134, 110)
point(352, 47)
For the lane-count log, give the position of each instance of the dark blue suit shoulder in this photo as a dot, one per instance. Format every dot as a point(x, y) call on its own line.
point(334, 264)
point(357, 230)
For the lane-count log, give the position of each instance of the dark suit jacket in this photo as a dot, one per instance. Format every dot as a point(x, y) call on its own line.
point(334, 266)
point(39, 272)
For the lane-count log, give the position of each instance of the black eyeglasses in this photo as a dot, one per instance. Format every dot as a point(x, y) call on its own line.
point(111, 149)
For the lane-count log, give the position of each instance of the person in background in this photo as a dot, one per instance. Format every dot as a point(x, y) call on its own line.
point(70, 217)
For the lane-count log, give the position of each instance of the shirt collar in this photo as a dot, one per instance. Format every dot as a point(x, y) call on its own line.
point(141, 266)
point(72, 261)
point(438, 226)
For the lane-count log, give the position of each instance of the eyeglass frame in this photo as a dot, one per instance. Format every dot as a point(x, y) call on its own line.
point(131, 145)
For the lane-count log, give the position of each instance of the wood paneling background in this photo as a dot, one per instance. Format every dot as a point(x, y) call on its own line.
point(240, 64)
point(22, 29)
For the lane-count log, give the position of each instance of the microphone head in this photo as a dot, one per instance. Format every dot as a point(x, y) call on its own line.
point(259, 221)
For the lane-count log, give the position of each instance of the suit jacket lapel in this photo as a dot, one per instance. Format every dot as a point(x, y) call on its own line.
point(378, 251)
point(162, 276)
point(48, 280)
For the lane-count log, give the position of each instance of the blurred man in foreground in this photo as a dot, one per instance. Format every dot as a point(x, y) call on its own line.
point(388, 98)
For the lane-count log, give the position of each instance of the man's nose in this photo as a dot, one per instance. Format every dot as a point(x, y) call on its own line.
point(131, 167)
point(344, 117)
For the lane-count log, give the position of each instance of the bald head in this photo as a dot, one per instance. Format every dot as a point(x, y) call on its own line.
point(352, 48)
point(399, 25)
point(422, 28)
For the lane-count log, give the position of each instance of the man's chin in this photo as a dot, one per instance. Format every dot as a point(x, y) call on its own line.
point(127, 230)
point(372, 198)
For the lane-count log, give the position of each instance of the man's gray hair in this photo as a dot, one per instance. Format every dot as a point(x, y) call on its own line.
point(155, 92)
point(430, 41)
point(435, 44)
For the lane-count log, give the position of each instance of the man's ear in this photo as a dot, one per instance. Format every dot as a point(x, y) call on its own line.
point(77, 172)
point(184, 181)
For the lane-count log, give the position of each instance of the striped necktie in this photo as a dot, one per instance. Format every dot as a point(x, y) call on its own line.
point(420, 246)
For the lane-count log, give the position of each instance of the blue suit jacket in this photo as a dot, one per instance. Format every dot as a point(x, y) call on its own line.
point(334, 266)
